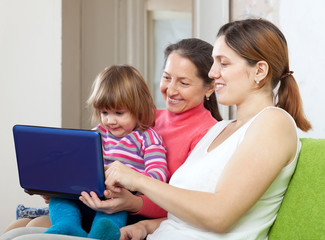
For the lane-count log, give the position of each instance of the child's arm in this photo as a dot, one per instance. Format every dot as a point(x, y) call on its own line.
point(156, 167)
point(155, 157)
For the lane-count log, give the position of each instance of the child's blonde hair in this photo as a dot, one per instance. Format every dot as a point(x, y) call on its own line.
point(122, 87)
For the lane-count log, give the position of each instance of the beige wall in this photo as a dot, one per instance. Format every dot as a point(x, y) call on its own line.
point(30, 85)
point(51, 51)
point(71, 64)
point(112, 32)
point(96, 34)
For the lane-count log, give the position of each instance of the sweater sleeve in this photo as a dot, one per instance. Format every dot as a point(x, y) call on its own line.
point(150, 209)
point(155, 157)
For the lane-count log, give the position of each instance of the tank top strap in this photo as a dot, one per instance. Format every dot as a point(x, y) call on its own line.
point(246, 125)
point(269, 107)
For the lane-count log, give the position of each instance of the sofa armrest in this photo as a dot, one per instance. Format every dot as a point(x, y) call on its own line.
point(302, 213)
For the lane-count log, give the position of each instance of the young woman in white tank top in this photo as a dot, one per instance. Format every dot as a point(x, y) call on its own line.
point(232, 184)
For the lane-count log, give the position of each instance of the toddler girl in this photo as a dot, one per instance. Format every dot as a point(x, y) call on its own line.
point(124, 108)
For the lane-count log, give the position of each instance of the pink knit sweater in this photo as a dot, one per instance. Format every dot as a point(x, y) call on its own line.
point(180, 132)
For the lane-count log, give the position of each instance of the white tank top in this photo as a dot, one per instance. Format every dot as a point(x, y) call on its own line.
point(201, 172)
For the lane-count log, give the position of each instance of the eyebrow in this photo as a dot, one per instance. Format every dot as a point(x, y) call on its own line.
point(178, 77)
point(220, 56)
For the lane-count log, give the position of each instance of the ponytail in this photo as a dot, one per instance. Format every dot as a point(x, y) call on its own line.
point(289, 99)
point(212, 106)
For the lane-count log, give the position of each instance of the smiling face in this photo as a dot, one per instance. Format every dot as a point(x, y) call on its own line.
point(235, 79)
point(180, 86)
point(118, 122)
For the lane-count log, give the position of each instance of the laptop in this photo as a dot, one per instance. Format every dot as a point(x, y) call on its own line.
point(59, 162)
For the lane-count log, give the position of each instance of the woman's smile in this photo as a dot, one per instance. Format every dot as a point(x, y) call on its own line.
point(174, 101)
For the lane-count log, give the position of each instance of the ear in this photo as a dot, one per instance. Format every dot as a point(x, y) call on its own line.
point(262, 69)
point(210, 89)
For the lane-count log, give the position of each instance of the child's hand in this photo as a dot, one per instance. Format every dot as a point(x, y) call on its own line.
point(115, 202)
point(91, 200)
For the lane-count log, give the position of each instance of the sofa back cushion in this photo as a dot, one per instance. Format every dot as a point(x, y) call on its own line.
point(302, 213)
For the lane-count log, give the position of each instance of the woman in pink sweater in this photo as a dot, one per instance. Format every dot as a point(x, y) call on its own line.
point(191, 106)
point(191, 110)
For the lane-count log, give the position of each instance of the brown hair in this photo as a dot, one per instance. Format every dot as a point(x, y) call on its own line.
point(122, 86)
point(257, 40)
point(199, 53)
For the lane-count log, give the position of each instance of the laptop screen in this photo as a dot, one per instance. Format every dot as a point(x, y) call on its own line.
point(57, 161)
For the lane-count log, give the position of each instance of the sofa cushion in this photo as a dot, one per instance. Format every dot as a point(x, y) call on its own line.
point(302, 213)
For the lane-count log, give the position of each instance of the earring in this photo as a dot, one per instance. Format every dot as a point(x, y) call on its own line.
point(207, 98)
point(258, 82)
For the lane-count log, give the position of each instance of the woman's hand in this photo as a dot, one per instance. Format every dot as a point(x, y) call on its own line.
point(115, 202)
point(120, 176)
point(118, 197)
point(135, 231)
point(140, 230)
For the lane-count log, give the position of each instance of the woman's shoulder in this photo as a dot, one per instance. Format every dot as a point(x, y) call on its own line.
point(275, 126)
point(276, 116)
point(204, 121)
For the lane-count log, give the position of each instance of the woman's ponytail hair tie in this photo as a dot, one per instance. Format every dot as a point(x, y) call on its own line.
point(286, 74)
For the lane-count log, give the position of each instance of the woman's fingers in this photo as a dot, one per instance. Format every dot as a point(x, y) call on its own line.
point(119, 175)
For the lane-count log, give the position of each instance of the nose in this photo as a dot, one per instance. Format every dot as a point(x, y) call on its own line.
point(110, 119)
point(172, 87)
point(214, 72)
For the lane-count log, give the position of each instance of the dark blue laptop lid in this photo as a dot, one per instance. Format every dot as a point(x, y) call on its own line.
point(57, 161)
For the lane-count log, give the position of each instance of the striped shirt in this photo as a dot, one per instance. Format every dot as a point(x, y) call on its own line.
point(144, 151)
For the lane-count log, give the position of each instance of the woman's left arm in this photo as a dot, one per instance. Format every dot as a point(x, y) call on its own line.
point(269, 144)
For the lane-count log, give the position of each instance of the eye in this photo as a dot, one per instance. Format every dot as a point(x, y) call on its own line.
point(103, 112)
point(224, 62)
point(119, 112)
point(166, 77)
point(184, 83)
